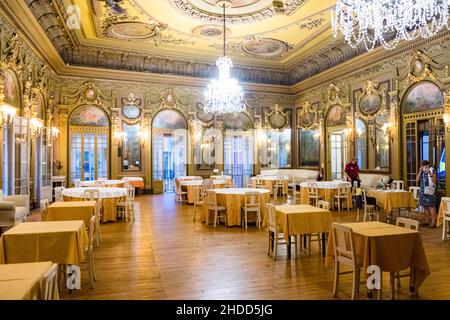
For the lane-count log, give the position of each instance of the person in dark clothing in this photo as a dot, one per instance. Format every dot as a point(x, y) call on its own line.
point(352, 171)
point(321, 175)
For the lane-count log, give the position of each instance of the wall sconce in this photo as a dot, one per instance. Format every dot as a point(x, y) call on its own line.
point(120, 136)
point(348, 132)
point(447, 122)
point(36, 126)
point(54, 132)
point(7, 113)
point(387, 129)
point(142, 134)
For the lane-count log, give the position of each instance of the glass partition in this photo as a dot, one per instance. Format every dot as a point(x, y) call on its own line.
point(131, 148)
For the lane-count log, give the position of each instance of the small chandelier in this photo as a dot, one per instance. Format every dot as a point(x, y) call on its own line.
point(7, 112)
point(36, 126)
point(387, 22)
point(224, 95)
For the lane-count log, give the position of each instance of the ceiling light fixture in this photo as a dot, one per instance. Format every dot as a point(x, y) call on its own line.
point(224, 95)
point(387, 22)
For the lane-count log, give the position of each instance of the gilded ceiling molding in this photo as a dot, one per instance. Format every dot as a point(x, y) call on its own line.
point(419, 68)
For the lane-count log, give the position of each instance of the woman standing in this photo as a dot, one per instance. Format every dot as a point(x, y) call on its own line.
point(426, 179)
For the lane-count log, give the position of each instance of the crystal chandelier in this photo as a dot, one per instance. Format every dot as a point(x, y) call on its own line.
point(387, 22)
point(224, 95)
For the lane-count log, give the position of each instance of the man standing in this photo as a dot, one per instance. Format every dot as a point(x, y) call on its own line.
point(352, 171)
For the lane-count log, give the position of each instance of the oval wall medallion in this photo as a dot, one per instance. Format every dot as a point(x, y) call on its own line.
point(132, 30)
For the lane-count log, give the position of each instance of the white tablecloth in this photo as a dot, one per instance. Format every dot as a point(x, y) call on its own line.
point(240, 191)
point(106, 182)
point(271, 178)
point(200, 182)
point(133, 179)
point(327, 184)
point(104, 192)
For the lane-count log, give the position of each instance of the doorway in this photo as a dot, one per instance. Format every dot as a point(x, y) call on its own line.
point(238, 156)
point(169, 147)
point(337, 153)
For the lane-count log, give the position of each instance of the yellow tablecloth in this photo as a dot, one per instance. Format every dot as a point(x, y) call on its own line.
point(270, 183)
point(21, 281)
point(388, 199)
point(440, 218)
point(303, 219)
point(109, 212)
point(61, 242)
point(190, 189)
point(327, 195)
point(71, 210)
point(234, 202)
point(390, 247)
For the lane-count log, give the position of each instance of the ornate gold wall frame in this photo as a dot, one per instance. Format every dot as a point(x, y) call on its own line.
point(308, 116)
point(202, 115)
point(277, 118)
point(131, 109)
point(168, 100)
point(372, 102)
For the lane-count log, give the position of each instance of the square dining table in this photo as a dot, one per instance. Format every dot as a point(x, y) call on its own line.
point(71, 210)
point(22, 281)
point(61, 242)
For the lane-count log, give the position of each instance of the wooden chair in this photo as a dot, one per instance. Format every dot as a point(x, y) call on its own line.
point(207, 184)
point(343, 193)
point(279, 186)
point(344, 253)
point(90, 253)
point(94, 195)
point(180, 195)
point(415, 191)
point(49, 283)
point(274, 232)
point(259, 183)
point(43, 208)
point(211, 202)
point(199, 199)
point(247, 182)
point(252, 202)
point(296, 193)
point(77, 183)
point(398, 185)
point(323, 205)
point(125, 209)
point(59, 197)
point(313, 193)
point(369, 209)
point(446, 220)
point(408, 224)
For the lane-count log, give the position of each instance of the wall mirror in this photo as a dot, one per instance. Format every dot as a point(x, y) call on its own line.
point(131, 153)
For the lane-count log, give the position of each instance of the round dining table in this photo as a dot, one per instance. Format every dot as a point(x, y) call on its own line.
point(107, 183)
point(327, 189)
point(136, 182)
point(269, 182)
point(109, 197)
point(189, 186)
point(233, 200)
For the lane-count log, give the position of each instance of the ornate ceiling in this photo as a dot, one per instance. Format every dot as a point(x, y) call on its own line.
point(268, 44)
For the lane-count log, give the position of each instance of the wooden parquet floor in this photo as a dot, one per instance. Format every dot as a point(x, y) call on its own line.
point(165, 255)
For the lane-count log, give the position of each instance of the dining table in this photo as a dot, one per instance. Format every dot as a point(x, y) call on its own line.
point(106, 183)
point(390, 199)
point(233, 200)
point(390, 247)
point(61, 242)
point(136, 182)
point(22, 281)
point(327, 189)
point(303, 219)
point(189, 186)
point(269, 182)
point(109, 198)
point(71, 210)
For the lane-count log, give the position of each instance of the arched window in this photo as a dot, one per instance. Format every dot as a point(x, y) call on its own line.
point(89, 130)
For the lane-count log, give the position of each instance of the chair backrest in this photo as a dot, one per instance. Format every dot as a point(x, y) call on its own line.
point(258, 182)
point(271, 216)
point(415, 192)
point(279, 182)
point(59, 194)
point(397, 184)
point(177, 185)
point(198, 194)
point(211, 198)
point(344, 245)
point(343, 190)
point(323, 204)
point(91, 195)
point(130, 194)
point(364, 196)
point(91, 232)
point(77, 183)
point(49, 283)
point(43, 208)
point(208, 184)
point(252, 200)
point(408, 223)
point(312, 188)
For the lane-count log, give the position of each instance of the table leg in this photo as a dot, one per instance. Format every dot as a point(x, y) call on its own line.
point(289, 247)
point(413, 291)
point(324, 244)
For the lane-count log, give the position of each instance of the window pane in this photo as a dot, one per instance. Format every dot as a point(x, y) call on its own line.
point(89, 156)
point(75, 156)
point(361, 143)
point(102, 152)
point(309, 148)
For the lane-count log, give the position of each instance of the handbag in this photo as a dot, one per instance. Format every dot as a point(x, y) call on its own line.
point(429, 191)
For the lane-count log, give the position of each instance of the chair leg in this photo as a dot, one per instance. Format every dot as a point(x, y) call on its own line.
point(268, 244)
point(207, 216)
point(380, 291)
point(392, 275)
point(336, 278)
point(309, 244)
point(355, 283)
point(444, 227)
point(275, 245)
point(215, 218)
point(195, 211)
